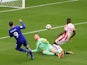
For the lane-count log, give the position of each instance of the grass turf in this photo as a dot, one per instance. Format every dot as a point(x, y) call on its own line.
point(37, 18)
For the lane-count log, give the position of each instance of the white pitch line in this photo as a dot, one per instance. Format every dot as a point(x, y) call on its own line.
point(40, 5)
point(45, 29)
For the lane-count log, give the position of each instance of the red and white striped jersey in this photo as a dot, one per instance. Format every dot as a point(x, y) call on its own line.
point(69, 28)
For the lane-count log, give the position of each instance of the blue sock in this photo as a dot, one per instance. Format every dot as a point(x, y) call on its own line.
point(29, 50)
point(21, 49)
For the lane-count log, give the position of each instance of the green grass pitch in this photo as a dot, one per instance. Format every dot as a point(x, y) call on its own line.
point(36, 19)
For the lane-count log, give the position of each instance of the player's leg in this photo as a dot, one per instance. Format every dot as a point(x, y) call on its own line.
point(50, 50)
point(28, 50)
point(59, 50)
point(68, 52)
point(18, 47)
point(60, 40)
point(61, 55)
point(46, 52)
point(56, 53)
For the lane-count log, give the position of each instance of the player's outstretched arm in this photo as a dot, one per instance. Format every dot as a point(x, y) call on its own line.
point(37, 47)
point(35, 50)
point(23, 25)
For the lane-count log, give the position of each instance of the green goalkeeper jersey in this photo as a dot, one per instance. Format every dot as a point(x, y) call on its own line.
point(42, 44)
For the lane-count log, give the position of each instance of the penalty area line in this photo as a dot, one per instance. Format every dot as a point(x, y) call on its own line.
point(44, 30)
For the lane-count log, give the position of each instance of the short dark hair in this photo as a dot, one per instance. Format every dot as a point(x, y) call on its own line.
point(10, 23)
point(68, 20)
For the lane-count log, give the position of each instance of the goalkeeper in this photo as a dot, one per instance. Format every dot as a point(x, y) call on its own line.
point(46, 48)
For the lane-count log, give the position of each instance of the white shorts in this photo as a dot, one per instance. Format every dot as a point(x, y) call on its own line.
point(57, 48)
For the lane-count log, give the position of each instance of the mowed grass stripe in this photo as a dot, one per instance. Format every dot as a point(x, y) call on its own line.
point(44, 30)
point(39, 6)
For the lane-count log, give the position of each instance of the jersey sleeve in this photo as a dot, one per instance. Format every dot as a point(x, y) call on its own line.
point(37, 48)
point(72, 27)
point(65, 27)
point(22, 25)
point(10, 34)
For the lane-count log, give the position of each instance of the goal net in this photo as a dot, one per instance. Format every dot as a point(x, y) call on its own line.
point(12, 3)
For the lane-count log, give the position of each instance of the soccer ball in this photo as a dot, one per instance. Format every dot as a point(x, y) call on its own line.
point(48, 26)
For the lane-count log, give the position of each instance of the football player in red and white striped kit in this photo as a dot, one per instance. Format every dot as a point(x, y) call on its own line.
point(67, 35)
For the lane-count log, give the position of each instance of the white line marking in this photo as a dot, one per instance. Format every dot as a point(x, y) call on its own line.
point(45, 29)
point(40, 5)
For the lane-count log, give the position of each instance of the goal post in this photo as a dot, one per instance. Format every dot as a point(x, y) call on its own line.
point(12, 3)
point(23, 3)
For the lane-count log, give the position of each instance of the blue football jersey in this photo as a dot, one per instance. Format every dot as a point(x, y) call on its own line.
point(16, 33)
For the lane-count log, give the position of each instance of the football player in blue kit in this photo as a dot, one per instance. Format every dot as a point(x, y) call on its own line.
point(15, 31)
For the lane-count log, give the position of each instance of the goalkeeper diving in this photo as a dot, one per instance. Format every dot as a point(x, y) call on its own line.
point(46, 48)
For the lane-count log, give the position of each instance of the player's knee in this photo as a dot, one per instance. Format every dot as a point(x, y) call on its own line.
point(17, 48)
point(44, 52)
point(62, 54)
point(26, 46)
